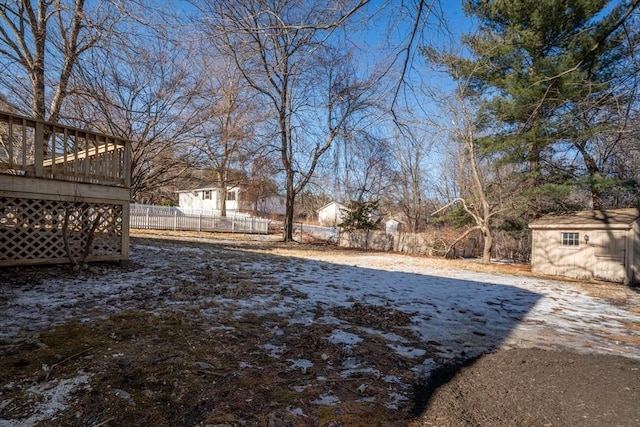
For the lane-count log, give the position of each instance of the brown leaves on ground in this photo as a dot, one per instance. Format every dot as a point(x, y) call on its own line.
point(162, 368)
point(173, 366)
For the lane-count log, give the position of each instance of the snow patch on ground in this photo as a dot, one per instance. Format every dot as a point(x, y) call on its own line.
point(327, 399)
point(342, 337)
point(48, 399)
point(454, 314)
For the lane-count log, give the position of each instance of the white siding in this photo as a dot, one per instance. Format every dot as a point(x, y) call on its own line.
point(195, 200)
point(331, 214)
point(209, 199)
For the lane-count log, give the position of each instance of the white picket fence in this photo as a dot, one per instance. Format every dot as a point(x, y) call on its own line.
point(173, 218)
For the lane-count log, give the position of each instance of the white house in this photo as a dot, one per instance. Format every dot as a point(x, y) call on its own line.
point(207, 199)
point(602, 245)
point(332, 214)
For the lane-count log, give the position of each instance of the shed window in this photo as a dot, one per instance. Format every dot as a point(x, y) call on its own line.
point(206, 195)
point(231, 195)
point(570, 239)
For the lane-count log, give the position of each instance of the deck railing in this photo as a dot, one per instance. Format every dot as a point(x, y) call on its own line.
point(49, 150)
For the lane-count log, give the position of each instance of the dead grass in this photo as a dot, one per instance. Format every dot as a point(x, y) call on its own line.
point(172, 367)
point(150, 368)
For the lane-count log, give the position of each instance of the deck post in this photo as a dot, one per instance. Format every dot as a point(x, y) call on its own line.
point(126, 214)
point(39, 149)
point(127, 165)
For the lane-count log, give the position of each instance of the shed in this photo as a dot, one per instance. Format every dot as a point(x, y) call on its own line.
point(603, 245)
point(332, 214)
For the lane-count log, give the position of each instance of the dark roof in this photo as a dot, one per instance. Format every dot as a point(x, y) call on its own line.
point(592, 219)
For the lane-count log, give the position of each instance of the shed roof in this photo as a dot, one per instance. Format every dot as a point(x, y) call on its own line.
point(618, 218)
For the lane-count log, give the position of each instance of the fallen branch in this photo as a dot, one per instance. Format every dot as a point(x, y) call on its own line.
point(66, 360)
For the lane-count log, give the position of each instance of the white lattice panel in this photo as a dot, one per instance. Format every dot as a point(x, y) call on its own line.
point(32, 229)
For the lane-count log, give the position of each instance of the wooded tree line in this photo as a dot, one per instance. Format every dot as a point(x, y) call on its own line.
point(533, 110)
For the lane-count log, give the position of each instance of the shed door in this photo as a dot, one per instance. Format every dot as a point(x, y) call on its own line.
point(610, 255)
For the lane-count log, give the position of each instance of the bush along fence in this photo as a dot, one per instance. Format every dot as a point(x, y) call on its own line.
point(434, 243)
point(440, 242)
point(172, 218)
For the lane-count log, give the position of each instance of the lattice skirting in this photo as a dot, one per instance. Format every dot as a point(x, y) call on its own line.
point(48, 231)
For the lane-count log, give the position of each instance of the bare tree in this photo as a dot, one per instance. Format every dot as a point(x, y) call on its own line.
point(282, 50)
point(410, 195)
point(360, 166)
point(228, 119)
point(479, 174)
point(43, 41)
point(142, 90)
point(260, 185)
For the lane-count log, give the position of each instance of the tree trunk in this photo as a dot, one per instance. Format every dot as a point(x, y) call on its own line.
point(288, 220)
point(488, 243)
point(595, 185)
point(222, 190)
point(38, 109)
point(291, 197)
point(222, 194)
point(594, 176)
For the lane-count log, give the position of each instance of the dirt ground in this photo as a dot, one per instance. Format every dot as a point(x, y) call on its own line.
point(184, 352)
point(533, 387)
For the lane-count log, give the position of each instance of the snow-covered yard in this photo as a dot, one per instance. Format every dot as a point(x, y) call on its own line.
point(343, 328)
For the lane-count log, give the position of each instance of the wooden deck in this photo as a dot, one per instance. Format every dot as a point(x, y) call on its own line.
point(61, 190)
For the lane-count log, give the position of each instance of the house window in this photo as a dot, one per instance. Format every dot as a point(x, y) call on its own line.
point(570, 239)
point(231, 195)
point(206, 195)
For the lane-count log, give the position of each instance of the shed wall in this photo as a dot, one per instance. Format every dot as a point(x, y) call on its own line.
point(330, 215)
point(550, 257)
point(609, 254)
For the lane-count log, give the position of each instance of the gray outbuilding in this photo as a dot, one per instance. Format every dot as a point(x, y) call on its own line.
point(602, 245)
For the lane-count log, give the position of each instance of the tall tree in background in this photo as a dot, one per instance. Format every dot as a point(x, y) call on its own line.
point(140, 89)
point(409, 181)
point(43, 41)
point(364, 161)
point(478, 174)
point(282, 49)
point(229, 116)
point(600, 117)
point(261, 190)
point(545, 64)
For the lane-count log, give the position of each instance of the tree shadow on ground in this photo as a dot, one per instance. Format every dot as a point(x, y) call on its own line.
point(318, 326)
